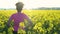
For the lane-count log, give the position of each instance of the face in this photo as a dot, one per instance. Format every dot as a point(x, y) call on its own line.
point(19, 7)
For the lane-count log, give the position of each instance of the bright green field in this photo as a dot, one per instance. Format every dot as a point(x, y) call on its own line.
point(44, 21)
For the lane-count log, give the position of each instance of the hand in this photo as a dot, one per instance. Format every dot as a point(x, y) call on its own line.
point(8, 26)
point(22, 27)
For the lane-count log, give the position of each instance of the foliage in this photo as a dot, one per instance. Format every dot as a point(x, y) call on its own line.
point(44, 21)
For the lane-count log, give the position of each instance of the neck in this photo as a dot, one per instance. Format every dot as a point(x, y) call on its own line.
point(19, 12)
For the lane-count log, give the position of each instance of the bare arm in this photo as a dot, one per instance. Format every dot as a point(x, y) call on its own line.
point(9, 21)
point(28, 20)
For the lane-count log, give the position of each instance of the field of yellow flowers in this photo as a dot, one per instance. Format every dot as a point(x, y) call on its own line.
point(44, 21)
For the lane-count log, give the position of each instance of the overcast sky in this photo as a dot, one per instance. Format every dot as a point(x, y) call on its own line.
point(28, 4)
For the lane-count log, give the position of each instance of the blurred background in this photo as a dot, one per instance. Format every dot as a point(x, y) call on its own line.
point(30, 4)
point(44, 14)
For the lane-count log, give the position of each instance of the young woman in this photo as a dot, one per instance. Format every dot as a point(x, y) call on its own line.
point(18, 17)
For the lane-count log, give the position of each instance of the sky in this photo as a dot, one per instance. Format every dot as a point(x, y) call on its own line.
point(29, 4)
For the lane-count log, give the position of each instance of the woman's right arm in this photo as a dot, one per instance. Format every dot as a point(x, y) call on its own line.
point(9, 21)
